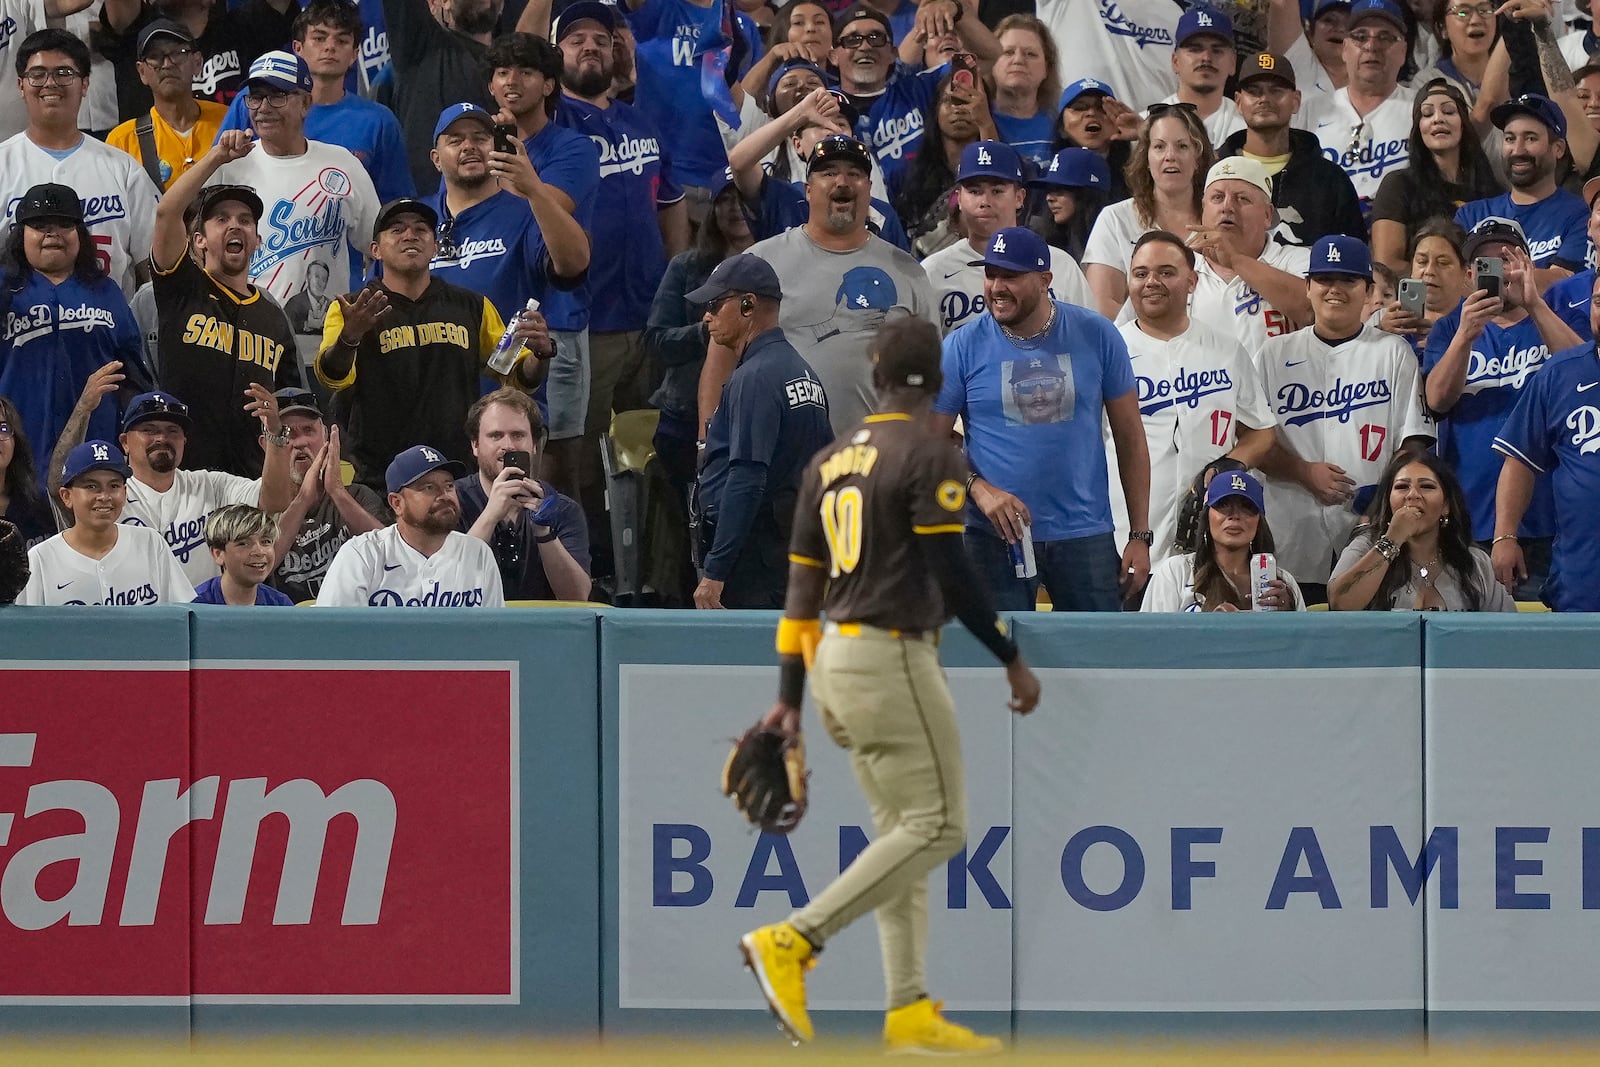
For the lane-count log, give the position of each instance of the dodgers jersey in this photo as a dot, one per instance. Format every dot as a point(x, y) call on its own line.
point(1555, 430)
point(1557, 226)
point(891, 125)
point(497, 249)
point(119, 199)
point(378, 569)
point(18, 18)
point(1125, 43)
point(179, 515)
point(1195, 392)
point(1236, 310)
point(1366, 146)
point(1351, 405)
point(137, 570)
point(958, 286)
point(1569, 299)
point(1171, 586)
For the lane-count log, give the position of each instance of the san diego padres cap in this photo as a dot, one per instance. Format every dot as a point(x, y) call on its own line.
point(1267, 65)
point(416, 461)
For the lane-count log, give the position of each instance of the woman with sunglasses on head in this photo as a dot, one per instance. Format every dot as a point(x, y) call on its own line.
point(1166, 177)
point(1424, 558)
point(1448, 168)
point(1217, 576)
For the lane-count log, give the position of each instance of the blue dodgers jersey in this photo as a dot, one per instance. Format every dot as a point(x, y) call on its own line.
point(627, 255)
point(570, 161)
point(1033, 416)
point(1557, 226)
point(783, 206)
point(892, 125)
point(1502, 363)
point(1569, 299)
point(1031, 137)
point(1555, 429)
point(369, 130)
point(498, 251)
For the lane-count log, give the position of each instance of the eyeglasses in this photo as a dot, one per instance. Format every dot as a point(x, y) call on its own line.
point(716, 305)
point(875, 39)
point(447, 239)
point(37, 76)
point(1181, 105)
point(162, 59)
point(256, 101)
point(1368, 39)
point(1355, 137)
point(1482, 11)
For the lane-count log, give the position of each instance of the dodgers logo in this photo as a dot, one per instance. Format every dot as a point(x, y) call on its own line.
point(435, 597)
point(98, 209)
point(1510, 370)
point(866, 289)
point(1116, 22)
point(101, 453)
point(1585, 424)
point(631, 155)
point(1339, 401)
point(215, 70)
point(892, 137)
point(1185, 388)
point(468, 252)
point(1373, 159)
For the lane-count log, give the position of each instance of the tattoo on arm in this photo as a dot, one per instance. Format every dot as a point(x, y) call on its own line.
point(1557, 76)
point(1353, 579)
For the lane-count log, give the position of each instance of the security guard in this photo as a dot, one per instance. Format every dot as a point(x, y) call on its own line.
point(772, 418)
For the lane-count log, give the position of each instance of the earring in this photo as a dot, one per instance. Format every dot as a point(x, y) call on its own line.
point(1444, 521)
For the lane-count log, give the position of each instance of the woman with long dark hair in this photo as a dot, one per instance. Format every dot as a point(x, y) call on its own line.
point(21, 502)
point(1448, 168)
point(922, 196)
point(1089, 116)
point(1424, 559)
point(1074, 185)
point(1217, 576)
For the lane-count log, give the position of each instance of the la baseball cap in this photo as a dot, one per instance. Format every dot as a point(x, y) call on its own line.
point(416, 461)
point(841, 147)
point(1322, 7)
point(402, 206)
point(1240, 168)
point(793, 64)
point(280, 70)
point(1015, 248)
point(156, 405)
point(94, 456)
point(1267, 65)
point(1235, 483)
point(990, 159)
point(1338, 254)
point(456, 112)
point(50, 200)
point(1495, 229)
point(1534, 106)
point(212, 195)
point(1075, 168)
point(1201, 21)
point(296, 401)
point(1377, 9)
point(858, 12)
point(1081, 86)
point(1042, 365)
point(582, 11)
point(743, 273)
point(162, 28)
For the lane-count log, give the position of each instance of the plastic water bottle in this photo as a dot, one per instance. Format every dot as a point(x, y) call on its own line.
point(505, 352)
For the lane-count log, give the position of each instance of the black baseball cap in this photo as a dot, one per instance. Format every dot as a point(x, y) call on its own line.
point(50, 201)
point(402, 206)
point(743, 273)
point(861, 11)
point(212, 195)
point(162, 28)
point(839, 146)
point(1495, 229)
point(585, 10)
point(296, 401)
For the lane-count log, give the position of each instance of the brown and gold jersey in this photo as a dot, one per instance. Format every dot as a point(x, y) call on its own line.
point(863, 503)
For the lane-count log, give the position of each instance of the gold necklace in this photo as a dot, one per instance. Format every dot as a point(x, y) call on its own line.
point(1031, 340)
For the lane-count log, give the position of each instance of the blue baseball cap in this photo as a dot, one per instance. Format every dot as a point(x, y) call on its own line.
point(1382, 9)
point(1015, 248)
point(743, 273)
point(1075, 168)
point(455, 112)
point(1081, 86)
point(793, 64)
point(1338, 254)
point(572, 14)
point(94, 456)
point(416, 461)
point(990, 159)
point(1042, 365)
point(156, 405)
point(1199, 21)
point(1235, 483)
point(284, 71)
point(1534, 106)
point(1314, 11)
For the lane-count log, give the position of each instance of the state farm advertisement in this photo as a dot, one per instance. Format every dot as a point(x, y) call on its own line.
point(302, 835)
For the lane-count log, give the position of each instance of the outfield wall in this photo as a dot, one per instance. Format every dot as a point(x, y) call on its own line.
point(507, 823)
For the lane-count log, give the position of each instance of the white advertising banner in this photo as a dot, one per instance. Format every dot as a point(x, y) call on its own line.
point(1219, 840)
point(693, 876)
point(1514, 802)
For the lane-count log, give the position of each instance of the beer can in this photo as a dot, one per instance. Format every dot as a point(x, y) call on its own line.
point(1263, 569)
point(1022, 554)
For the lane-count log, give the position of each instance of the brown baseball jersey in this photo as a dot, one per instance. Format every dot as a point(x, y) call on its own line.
point(864, 500)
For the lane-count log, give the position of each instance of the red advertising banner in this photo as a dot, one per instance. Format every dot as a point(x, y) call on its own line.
point(305, 835)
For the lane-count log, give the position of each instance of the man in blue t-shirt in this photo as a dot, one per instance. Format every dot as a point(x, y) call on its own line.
point(1030, 379)
point(892, 102)
point(1569, 298)
point(326, 36)
point(1478, 360)
point(1534, 144)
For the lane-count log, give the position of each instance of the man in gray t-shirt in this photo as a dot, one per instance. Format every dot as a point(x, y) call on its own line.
point(840, 283)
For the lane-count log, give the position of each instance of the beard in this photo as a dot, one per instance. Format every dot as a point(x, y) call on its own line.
point(588, 83)
point(162, 461)
point(438, 523)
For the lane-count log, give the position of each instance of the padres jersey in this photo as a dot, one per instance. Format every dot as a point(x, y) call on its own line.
point(138, 570)
point(958, 286)
point(378, 569)
point(214, 344)
point(179, 515)
point(1351, 405)
point(119, 199)
point(863, 502)
point(1234, 309)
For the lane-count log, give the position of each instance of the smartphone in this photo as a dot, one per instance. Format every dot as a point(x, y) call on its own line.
point(505, 138)
point(520, 459)
point(1490, 273)
point(1413, 295)
point(964, 69)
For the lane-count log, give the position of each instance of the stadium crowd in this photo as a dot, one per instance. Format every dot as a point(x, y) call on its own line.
point(365, 303)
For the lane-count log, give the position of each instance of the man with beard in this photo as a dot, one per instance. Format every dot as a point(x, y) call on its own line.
point(325, 513)
point(179, 128)
point(1030, 380)
point(1312, 193)
point(1553, 220)
point(1250, 287)
point(218, 333)
point(1204, 57)
point(422, 560)
point(435, 61)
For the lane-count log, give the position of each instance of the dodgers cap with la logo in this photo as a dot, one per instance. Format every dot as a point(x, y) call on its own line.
point(990, 159)
point(1015, 248)
point(416, 461)
point(1075, 168)
point(1201, 21)
point(1338, 254)
point(94, 456)
point(1235, 483)
point(157, 405)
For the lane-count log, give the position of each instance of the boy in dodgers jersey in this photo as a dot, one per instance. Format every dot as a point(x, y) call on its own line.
point(1346, 396)
point(422, 560)
point(98, 561)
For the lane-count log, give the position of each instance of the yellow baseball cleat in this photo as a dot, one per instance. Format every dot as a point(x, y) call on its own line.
point(918, 1029)
point(779, 958)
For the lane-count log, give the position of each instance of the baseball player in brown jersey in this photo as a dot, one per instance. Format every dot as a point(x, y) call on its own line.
point(877, 546)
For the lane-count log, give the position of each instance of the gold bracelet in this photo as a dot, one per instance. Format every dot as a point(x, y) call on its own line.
point(1502, 537)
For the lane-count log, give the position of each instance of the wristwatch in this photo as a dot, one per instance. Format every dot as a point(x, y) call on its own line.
point(1147, 536)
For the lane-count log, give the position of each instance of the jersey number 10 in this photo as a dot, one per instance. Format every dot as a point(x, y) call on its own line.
point(841, 525)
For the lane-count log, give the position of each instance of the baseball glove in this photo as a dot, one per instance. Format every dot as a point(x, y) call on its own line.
point(1192, 511)
point(766, 777)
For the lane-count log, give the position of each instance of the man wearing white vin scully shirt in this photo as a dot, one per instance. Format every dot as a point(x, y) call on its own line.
point(422, 560)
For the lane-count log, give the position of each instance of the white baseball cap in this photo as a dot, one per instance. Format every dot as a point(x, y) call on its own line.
point(1240, 168)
